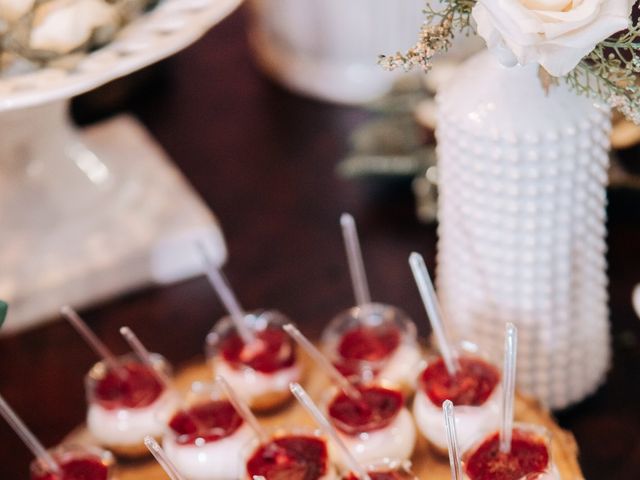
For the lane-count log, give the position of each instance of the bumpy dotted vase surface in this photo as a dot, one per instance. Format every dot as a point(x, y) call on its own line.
point(522, 178)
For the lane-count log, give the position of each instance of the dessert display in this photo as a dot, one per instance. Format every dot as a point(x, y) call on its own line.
point(128, 403)
point(528, 458)
point(371, 340)
point(206, 436)
point(460, 375)
point(374, 342)
point(75, 463)
point(250, 349)
point(515, 452)
point(426, 464)
point(260, 371)
point(367, 431)
point(374, 426)
point(291, 456)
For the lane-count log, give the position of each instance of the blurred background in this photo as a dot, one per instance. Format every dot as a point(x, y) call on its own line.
point(279, 132)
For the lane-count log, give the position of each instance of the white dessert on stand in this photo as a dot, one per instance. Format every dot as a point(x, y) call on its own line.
point(260, 373)
point(474, 390)
point(205, 438)
point(126, 405)
point(374, 342)
point(250, 350)
point(371, 340)
point(302, 454)
point(529, 457)
point(374, 427)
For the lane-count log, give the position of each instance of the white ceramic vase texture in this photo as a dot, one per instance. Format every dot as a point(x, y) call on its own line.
point(329, 48)
point(522, 177)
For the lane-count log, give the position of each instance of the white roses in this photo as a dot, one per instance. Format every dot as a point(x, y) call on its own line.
point(557, 34)
point(11, 10)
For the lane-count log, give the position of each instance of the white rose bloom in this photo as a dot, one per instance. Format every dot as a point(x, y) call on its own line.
point(557, 34)
point(12, 10)
point(63, 25)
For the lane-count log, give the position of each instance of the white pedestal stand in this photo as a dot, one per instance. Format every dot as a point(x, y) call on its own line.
point(86, 215)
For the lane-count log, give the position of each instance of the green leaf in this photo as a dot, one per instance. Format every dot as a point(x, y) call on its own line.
point(3, 311)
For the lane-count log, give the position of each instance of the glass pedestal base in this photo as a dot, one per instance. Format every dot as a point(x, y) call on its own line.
point(87, 215)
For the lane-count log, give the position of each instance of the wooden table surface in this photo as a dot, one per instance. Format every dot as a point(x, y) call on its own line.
point(264, 160)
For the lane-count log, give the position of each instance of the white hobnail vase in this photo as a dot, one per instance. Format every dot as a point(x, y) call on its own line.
point(522, 176)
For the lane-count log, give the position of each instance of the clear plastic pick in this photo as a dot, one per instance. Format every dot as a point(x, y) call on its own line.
point(434, 312)
point(227, 297)
point(508, 386)
point(354, 257)
point(27, 437)
point(328, 429)
point(243, 410)
point(322, 362)
point(91, 338)
point(452, 440)
point(162, 458)
point(143, 354)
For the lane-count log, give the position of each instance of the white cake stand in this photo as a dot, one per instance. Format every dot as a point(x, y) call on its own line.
point(86, 215)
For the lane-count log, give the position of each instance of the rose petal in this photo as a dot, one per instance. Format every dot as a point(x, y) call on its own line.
point(557, 40)
point(547, 5)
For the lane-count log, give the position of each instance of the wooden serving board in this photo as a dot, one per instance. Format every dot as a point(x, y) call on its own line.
point(427, 464)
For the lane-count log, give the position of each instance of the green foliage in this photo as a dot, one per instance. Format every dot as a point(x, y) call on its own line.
point(610, 72)
point(436, 35)
point(3, 311)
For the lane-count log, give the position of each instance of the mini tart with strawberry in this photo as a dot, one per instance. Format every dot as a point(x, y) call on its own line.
point(474, 390)
point(374, 342)
point(292, 455)
point(259, 372)
point(206, 436)
point(529, 457)
point(127, 404)
point(375, 426)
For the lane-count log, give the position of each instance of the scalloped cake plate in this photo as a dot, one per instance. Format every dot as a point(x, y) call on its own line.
point(171, 26)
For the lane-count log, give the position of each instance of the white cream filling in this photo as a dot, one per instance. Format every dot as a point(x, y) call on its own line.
point(395, 441)
point(128, 426)
point(331, 474)
point(471, 422)
point(250, 384)
point(402, 368)
point(219, 460)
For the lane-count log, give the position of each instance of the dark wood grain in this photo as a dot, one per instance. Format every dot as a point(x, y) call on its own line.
point(264, 161)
